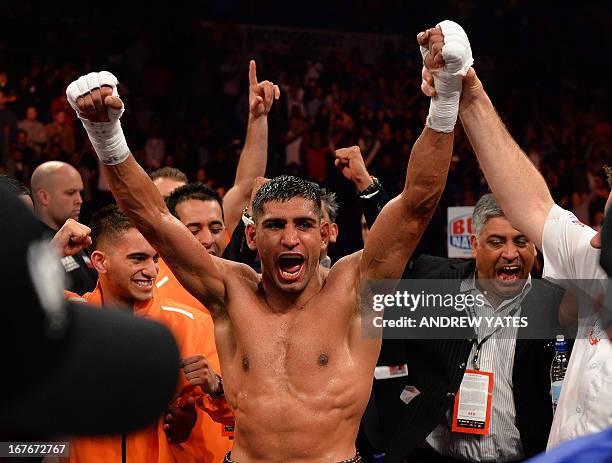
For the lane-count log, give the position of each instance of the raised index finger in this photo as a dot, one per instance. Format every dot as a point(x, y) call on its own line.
point(252, 73)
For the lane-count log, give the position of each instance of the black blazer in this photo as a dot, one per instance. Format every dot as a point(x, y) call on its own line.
point(436, 367)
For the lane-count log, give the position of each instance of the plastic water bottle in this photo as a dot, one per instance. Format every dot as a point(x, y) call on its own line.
point(557, 370)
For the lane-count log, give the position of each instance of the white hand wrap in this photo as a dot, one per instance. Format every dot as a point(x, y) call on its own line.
point(457, 54)
point(106, 137)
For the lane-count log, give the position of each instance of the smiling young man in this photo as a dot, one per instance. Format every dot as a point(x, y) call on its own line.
point(200, 209)
point(127, 265)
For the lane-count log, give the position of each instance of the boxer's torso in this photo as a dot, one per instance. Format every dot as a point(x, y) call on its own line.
point(299, 379)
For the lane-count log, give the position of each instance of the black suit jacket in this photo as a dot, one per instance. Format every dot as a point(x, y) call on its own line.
point(436, 367)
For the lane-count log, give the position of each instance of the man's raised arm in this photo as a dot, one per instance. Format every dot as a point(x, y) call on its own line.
point(516, 183)
point(95, 99)
point(400, 225)
point(254, 156)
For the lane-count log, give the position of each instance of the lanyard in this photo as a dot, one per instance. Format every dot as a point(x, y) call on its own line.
point(476, 358)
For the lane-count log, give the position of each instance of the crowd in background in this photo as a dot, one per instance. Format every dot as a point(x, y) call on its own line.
point(188, 104)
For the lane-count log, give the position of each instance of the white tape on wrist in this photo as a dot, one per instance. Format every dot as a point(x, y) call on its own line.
point(457, 54)
point(107, 138)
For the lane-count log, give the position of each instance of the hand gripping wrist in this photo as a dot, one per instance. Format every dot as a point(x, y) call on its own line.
point(107, 138)
point(221, 392)
point(457, 55)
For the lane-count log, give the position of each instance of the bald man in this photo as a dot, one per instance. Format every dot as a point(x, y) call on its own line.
point(56, 193)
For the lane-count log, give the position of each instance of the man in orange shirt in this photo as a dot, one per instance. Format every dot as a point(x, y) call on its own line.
point(69, 392)
point(200, 209)
point(127, 267)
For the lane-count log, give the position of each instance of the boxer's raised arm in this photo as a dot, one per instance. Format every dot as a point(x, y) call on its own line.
point(516, 183)
point(254, 156)
point(400, 225)
point(97, 103)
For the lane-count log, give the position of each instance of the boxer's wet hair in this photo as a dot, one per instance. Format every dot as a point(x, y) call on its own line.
point(194, 190)
point(108, 224)
point(285, 188)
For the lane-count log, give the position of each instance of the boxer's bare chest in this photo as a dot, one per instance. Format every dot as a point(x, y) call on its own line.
point(309, 340)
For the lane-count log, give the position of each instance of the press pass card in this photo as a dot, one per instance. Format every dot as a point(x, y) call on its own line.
point(472, 411)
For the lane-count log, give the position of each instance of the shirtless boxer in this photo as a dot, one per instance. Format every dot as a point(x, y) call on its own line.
point(296, 368)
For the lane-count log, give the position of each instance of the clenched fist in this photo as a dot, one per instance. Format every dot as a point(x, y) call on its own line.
point(71, 238)
point(199, 373)
point(96, 101)
point(350, 162)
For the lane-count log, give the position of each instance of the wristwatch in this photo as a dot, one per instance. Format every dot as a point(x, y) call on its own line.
point(371, 190)
point(246, 217)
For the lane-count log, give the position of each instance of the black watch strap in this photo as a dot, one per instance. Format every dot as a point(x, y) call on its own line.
point(370, 190)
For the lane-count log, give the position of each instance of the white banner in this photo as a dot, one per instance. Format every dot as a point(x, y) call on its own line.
point(459, 230)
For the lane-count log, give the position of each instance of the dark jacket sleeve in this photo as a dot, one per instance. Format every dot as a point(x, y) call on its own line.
point(605, 260)
point(372, 206)
point(237, 249)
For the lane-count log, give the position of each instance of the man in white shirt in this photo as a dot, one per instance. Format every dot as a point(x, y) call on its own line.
point(570, 248)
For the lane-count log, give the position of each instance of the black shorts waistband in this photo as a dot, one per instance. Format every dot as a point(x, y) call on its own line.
point(355, 459)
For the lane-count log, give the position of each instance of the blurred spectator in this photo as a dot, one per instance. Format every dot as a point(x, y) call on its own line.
point(368, 145)
point(295, 99)
point(317, 157)
point(5, 87)
point(313, 106)
point(168, 179)
point(155, 147)
point(60, 103)
point(34, 129)
point(293, 139)
point(59, 132)
point(17, 167)
point(8, 127)
point(580, 206)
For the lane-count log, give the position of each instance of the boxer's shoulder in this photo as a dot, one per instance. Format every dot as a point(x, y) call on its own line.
point(238, 273)
point(347, 266)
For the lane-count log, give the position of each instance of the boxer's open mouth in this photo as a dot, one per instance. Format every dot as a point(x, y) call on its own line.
point(290, 266)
